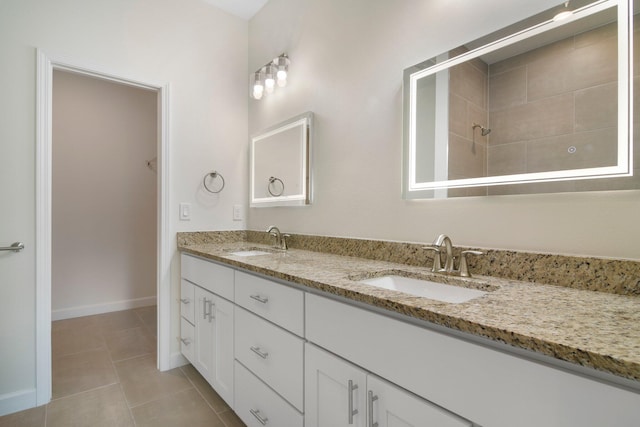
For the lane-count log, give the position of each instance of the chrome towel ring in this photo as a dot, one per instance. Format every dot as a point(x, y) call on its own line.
point(271, 181)
point(213, 175)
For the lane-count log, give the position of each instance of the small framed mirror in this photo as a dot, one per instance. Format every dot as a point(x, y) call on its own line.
point(280, 163)
point(541, 106)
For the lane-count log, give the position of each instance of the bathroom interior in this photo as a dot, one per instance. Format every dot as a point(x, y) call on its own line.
point(536, 182)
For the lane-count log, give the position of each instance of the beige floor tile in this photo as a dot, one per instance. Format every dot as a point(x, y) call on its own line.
point(185, 408)
point(149, 317)
point(129, 343)
point(75, 340)
point(209, 394)
point(96, 408)
point(230, 419)
point(81, 371)
point(33, 417)
point(75, 323)
point(118, 321)
point(142, 382)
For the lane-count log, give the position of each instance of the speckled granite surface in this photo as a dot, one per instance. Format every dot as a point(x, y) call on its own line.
point(595, 274)
point(595, 329)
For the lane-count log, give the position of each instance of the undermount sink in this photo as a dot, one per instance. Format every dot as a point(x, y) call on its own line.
point(425, 288)
point(246, 252)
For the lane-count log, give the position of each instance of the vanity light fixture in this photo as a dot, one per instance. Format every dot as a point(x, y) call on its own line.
point(264, 79)
point(563, 14)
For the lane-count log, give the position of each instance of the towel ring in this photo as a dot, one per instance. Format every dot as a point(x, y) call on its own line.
point(271, 181)
point(213, 175)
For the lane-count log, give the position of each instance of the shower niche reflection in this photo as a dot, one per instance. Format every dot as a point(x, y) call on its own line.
point(532, 108)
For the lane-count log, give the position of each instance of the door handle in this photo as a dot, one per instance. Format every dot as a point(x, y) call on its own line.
point(259, 352)
point(372, 399)
point(258, 298)
point(15, 247)
point(260, 418)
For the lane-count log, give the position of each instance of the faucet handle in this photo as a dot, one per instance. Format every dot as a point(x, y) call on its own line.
point(464, 267)
point(284, 238)
point(437, 262)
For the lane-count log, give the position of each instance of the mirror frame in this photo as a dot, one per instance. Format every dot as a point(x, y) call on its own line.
point(415, 190)
point(305, 123)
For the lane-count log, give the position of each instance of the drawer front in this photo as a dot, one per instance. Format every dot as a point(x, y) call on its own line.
point(187, 301)
point(257, 405)
point(278, 303)
point(187, 341)
point(273, 354)
point(208, 275)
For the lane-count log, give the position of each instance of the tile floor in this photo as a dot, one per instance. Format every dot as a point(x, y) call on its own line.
point(104, 374)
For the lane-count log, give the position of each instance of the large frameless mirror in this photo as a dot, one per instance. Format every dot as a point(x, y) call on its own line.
point(280, 163)
point(541, 106)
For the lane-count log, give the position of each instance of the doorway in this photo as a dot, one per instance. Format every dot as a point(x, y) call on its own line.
point(44, 154)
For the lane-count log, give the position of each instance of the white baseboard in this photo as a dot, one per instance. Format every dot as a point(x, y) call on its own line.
point(88, 310)
point(17, 401)
point(177, 360)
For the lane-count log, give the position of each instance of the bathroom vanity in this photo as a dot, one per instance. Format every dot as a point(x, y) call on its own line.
point(296, 338)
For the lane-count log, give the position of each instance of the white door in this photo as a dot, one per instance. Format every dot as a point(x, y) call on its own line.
point(222, 374)
point(390, 406)
point(204, 327)
point(334, 391)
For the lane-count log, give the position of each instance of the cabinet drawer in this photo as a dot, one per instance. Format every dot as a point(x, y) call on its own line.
point(254, 401)
point(187, 341)
point(187, 301)
point(273, 354)
point(210, 276)
point(278, 303)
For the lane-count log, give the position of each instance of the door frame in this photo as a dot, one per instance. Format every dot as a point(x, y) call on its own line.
point(44, 97)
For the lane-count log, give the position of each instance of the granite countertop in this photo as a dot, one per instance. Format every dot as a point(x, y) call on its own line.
point(594, 329)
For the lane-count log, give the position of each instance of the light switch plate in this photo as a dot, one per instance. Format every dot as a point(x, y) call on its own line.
point(185, 211)
point(237, 213)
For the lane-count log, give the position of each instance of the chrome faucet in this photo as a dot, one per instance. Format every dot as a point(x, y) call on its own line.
point(449, 268)
point(281, 239)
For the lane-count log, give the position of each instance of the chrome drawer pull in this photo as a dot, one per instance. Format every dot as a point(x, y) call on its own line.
point(204, 308)
point(185, 341)
point(372, 399)
point(258, 298)
point(211, 313)
point(185, 300)
point(350, 390)
point(256, 413)
point(260, 353)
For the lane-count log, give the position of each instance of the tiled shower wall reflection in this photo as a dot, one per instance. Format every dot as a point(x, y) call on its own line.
point(554, 108)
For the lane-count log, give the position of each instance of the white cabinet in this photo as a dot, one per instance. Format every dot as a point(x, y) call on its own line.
point(214, 341)
point(272, 353)
point(341, 394)
point(207, 324)
point(334, 391)
point(489, 387)
point(258, 405)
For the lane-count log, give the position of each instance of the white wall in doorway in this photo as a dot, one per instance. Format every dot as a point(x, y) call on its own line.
point(104, 196)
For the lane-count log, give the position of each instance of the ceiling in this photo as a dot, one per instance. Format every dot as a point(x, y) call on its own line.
point(244, 9)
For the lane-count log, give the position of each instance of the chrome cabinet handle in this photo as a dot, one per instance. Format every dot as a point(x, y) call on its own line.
point(261, 420)
point(351, 388)
point(185, 300)
point(372, 399)
point(185, 341)
point(212, 308)
point(259, 352)
point(258, 298)
point(205, 302)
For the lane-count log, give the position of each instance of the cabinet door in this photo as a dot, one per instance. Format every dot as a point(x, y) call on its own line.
point(222, 373)
point(390, 406)
point(204, 327)
point(334, 391)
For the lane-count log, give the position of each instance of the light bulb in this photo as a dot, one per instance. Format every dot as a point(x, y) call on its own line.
point(269, 80)
point(282, 78)
point(258, 90)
